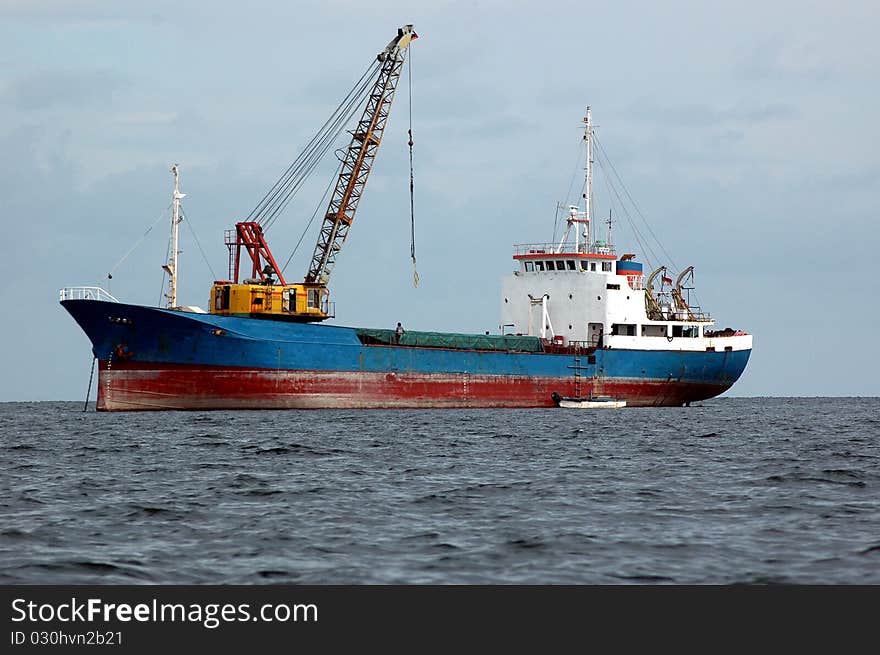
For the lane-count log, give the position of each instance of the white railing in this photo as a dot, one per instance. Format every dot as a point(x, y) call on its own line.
point(598, 248)
point(85, 293)
point(534, 248)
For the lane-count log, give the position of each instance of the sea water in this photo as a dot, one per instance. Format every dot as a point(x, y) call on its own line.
point(732, 490)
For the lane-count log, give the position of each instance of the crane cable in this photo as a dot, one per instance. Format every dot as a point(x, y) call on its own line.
point(412, 211)
point(317, 144)
point(311, 159)
point(277, 198)
point(321, 204)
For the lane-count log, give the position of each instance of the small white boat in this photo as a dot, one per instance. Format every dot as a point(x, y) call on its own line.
point(591, 402)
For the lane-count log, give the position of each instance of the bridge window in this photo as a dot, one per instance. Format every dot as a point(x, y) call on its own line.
point(539, 266)
point(623, 329)
point(560, 265)
point(585, 265)
point(570, 264)
point(653, 330)
point(530, 266)
point(592, 266)
point(606, 266)
point(550, 266)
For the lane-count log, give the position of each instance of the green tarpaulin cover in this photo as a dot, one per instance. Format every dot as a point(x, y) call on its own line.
point(453, 340)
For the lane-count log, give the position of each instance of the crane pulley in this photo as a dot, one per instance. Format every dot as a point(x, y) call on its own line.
point(262, 294)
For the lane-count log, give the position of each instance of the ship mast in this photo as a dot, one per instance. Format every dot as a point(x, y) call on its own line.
point(575, 216)
point(171, 266)
point(609, 222)
point(588, 191)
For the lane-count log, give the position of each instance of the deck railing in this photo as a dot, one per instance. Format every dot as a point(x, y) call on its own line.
point(85, 293)
point(598, 248)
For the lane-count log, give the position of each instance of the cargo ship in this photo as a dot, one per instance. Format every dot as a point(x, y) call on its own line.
point(577, 321)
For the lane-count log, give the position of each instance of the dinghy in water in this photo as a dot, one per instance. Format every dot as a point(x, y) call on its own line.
point(593, 402)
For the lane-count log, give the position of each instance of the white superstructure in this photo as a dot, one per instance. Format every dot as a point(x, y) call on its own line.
point(579, 293)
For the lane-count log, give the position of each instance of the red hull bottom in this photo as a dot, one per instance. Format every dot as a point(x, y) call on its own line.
point(139, 387)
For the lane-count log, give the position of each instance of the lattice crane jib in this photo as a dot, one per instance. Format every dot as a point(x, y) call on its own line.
point(358, 160)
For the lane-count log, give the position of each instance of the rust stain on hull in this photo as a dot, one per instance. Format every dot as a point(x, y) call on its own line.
point(207, 388)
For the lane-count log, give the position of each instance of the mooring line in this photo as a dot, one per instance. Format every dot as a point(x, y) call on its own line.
point(89, 390)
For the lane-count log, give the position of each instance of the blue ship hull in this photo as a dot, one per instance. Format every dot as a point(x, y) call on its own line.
point(153, 358)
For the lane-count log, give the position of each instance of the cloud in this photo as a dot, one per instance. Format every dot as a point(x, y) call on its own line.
point(707, 115)
point(65, 11)
point(780, 58)
point(146, 118)
point(63, 88)
point(746, 134)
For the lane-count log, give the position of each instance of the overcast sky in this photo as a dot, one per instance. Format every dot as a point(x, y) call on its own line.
point(746, 132)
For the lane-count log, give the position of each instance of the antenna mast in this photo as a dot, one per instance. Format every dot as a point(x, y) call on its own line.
point(575, 216)
point(588, 194)
point(610, 243)
point(171, 266)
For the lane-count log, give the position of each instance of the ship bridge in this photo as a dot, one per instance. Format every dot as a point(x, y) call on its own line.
point(572, 292)
point(600, 258)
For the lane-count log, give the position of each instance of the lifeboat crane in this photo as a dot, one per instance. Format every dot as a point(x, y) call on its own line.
point(652, 305)
point(262, 295)
point(681, 305)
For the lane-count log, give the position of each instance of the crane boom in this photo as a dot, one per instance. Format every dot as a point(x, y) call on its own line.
point(262, 295)
point(358, 160)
